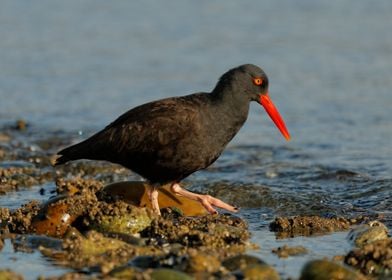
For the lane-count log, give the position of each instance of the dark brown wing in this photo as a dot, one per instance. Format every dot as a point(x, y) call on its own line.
point(153, 139)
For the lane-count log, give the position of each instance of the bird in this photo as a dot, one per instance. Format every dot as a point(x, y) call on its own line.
point(167, 140)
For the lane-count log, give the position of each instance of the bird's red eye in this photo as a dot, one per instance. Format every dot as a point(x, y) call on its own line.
point(257, 81)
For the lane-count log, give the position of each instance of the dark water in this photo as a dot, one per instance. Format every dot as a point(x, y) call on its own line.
point(73, 66)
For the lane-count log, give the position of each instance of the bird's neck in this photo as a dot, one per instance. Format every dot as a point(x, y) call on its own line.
point(231, 100)
point(230, 107)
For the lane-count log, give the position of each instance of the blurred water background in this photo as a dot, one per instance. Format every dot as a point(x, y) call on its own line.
point(73, 66)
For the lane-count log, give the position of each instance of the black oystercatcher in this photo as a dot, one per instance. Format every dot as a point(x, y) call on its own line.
point(167, 140)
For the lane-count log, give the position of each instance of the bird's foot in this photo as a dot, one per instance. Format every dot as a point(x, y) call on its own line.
point(207, 201)
point(153, 196)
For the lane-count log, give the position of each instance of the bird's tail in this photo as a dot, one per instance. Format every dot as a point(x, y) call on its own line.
point(61, 160)
point(74, 152)
point(95, 148)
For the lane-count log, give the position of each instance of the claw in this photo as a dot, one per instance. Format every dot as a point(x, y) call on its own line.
point(207, 201)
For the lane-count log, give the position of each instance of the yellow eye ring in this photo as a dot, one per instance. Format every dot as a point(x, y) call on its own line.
point(257, 81)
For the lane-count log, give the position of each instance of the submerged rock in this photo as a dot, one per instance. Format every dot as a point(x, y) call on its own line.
point(307, 225)
point(20, 125)
point(12, 178)
point(372, 259)
point(29, 243)
point(135, 193)
point(327, 270)
point(286, 251)
point(368, 233)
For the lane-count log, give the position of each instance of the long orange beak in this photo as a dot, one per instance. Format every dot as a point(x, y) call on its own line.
point(265, 100)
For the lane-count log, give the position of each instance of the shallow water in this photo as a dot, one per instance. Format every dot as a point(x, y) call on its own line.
point(72, 67)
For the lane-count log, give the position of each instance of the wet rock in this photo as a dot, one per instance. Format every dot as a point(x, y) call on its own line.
point(249, 267)
point(240, 262)
point(125, 273)
point(29, 243)
point(128, 238)
point(94, 244)
point(165, 273)
point(7, 274)
point(57, 215)
point(120, 217)
point(202, 262)
point(372, 259)
point(4, 137)
point(260, 272)
point(135, 193)
point(54, 218)
point(213, 231)
point(286, 251)
point(307, 225)
point(69, 276)
point(2, 152)
point(327, 270)
point(20, 125)
point(12, 178)
point(368, 233)
point(19, 220)
point(104, 172)
point(4, 217)
point(93, 251)
point(77, 186)
point(1, 244)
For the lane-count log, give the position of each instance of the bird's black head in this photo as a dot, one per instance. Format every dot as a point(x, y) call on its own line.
point(247, 81)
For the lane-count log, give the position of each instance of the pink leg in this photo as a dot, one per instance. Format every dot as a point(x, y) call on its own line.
point(153, 196)
point(206, 200)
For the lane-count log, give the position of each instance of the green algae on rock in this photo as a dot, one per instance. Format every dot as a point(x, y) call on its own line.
point(327, 270)
point(120, 217)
